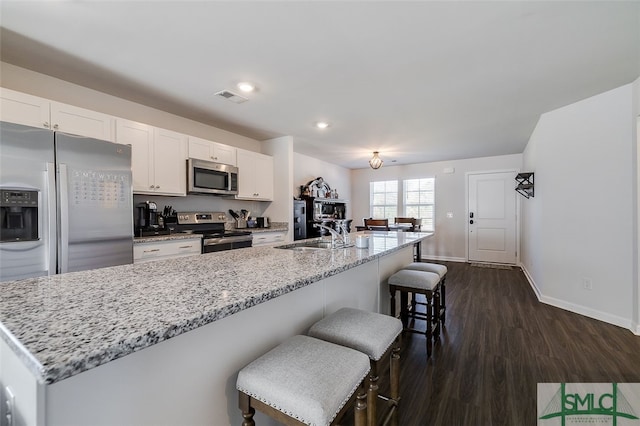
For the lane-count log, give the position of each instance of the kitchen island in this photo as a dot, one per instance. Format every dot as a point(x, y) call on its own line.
point(162, 342)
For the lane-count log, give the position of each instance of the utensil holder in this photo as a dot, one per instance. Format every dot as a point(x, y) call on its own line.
point(241, 223)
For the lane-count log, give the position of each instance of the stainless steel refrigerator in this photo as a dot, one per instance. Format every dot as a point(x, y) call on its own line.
point(65, 203)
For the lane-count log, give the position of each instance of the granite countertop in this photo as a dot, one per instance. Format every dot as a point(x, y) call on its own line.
point(169, 237)
point(65, 324)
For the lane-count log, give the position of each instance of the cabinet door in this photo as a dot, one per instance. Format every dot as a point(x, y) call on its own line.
point(20, 108)
point(80, 121)
point(264, 177)
point(246, 174)
point(170, 165)
point(140, 137)
point(264, 238)
point(199, 149)
point(224, 153)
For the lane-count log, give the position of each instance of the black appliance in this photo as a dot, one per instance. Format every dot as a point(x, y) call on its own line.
point(148, 221)
point(299, 220)
point(211, 226)
point(323, 211)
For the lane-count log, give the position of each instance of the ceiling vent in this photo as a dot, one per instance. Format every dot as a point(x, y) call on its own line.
point(233, 97)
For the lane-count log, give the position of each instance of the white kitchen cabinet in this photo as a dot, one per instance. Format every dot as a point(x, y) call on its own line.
point(269, 237)
point(146, 252)
point(255, 176)
point(158, 158)
point(21, 108)
point(203, 149)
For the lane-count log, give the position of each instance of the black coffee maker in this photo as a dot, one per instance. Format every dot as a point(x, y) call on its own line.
point(148, 221)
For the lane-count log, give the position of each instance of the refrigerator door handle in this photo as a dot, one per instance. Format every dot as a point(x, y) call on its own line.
point(51, 238)
point(63, 209)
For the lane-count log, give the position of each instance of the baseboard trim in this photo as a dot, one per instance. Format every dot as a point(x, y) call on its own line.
point(443, 258)
point(579, 309)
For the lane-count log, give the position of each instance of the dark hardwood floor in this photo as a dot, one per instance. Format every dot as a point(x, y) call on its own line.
point(498, 343)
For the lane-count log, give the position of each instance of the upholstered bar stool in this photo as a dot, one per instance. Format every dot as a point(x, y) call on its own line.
point(441, 270)
point(427, 283)
point(375, 335)
point(305, 381)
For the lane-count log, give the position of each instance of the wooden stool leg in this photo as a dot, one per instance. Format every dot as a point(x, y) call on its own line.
point(404, 314)
point(429, 297)
point(244, 401)
point(360, 415)
point(436, 314)
point(443, 303)
point(395, 380)
point(372, 395)
point(392, 290)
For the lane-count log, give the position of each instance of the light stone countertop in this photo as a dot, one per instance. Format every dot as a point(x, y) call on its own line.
point(65, 324)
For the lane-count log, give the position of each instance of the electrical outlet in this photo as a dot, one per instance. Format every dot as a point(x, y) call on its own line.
point(587, 284)
point(449, 215)
point(8, 407)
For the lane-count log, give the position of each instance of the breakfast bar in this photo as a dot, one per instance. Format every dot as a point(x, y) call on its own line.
point(162, 342)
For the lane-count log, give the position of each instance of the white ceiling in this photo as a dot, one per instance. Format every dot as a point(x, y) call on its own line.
point(418, 81)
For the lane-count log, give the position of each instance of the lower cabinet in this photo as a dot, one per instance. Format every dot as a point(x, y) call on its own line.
point(146, 252)
point(266, 238)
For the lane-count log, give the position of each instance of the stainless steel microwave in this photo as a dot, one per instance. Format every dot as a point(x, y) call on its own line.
point(206, 177)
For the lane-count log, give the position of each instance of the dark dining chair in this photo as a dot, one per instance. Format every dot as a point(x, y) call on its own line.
point(376, 224)
point(409, 220)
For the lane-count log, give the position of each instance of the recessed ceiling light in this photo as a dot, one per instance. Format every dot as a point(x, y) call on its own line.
point(322, 124)
point(246, 87)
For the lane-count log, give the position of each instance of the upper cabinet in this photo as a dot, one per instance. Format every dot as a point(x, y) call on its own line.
point(158, 161)
point(202, 149)
point(255, 176)
point(21, 108)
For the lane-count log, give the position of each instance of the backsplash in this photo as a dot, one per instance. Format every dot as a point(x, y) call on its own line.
point(203, 203)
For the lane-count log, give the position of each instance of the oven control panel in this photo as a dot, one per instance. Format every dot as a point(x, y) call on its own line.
point(193, 218)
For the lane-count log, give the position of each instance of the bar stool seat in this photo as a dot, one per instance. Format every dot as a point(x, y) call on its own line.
point(374, 335)
point(304, 380)
point(441, 270)
point(427, 283)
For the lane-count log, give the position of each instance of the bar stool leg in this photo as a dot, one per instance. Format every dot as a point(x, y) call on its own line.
point(372, 394)
point(436, 313)
point(395, 379)
point(443, 302)
point(360, 415)
point(404, 314)
point(429, 322)
point(247, 410)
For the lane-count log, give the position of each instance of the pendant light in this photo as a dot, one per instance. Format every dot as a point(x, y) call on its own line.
point(375, 162)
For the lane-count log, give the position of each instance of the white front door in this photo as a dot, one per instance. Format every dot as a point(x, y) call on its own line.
point(492, 217)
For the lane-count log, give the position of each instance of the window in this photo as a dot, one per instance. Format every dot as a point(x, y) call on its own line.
point(383, 199)
point(419, 201)
point(415, 198)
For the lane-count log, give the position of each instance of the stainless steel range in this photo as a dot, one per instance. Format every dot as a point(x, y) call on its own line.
point(211, 226)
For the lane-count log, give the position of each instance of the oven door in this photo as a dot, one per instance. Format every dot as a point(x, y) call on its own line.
point(210, 245)
point(205, 177)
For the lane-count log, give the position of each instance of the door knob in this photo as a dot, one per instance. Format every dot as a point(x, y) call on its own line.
point(471, 215)
point(471, 221)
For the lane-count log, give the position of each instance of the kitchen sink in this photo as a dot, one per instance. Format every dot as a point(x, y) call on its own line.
point(311, 245)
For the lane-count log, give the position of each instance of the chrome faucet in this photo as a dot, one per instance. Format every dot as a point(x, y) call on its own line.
point(335, 236)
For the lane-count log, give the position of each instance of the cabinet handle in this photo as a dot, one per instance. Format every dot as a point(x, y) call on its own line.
point(151, 251)
point(151, 187)
point(185, 247)
point(46, 124)
point(55, 126)
point(157, 186)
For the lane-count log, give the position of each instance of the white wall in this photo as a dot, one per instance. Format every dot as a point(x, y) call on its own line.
point(449, 241)
point(307, 168)
point(579, 225)
point(281, 209)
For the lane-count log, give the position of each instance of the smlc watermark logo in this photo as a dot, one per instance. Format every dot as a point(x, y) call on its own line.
point(563, 404)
